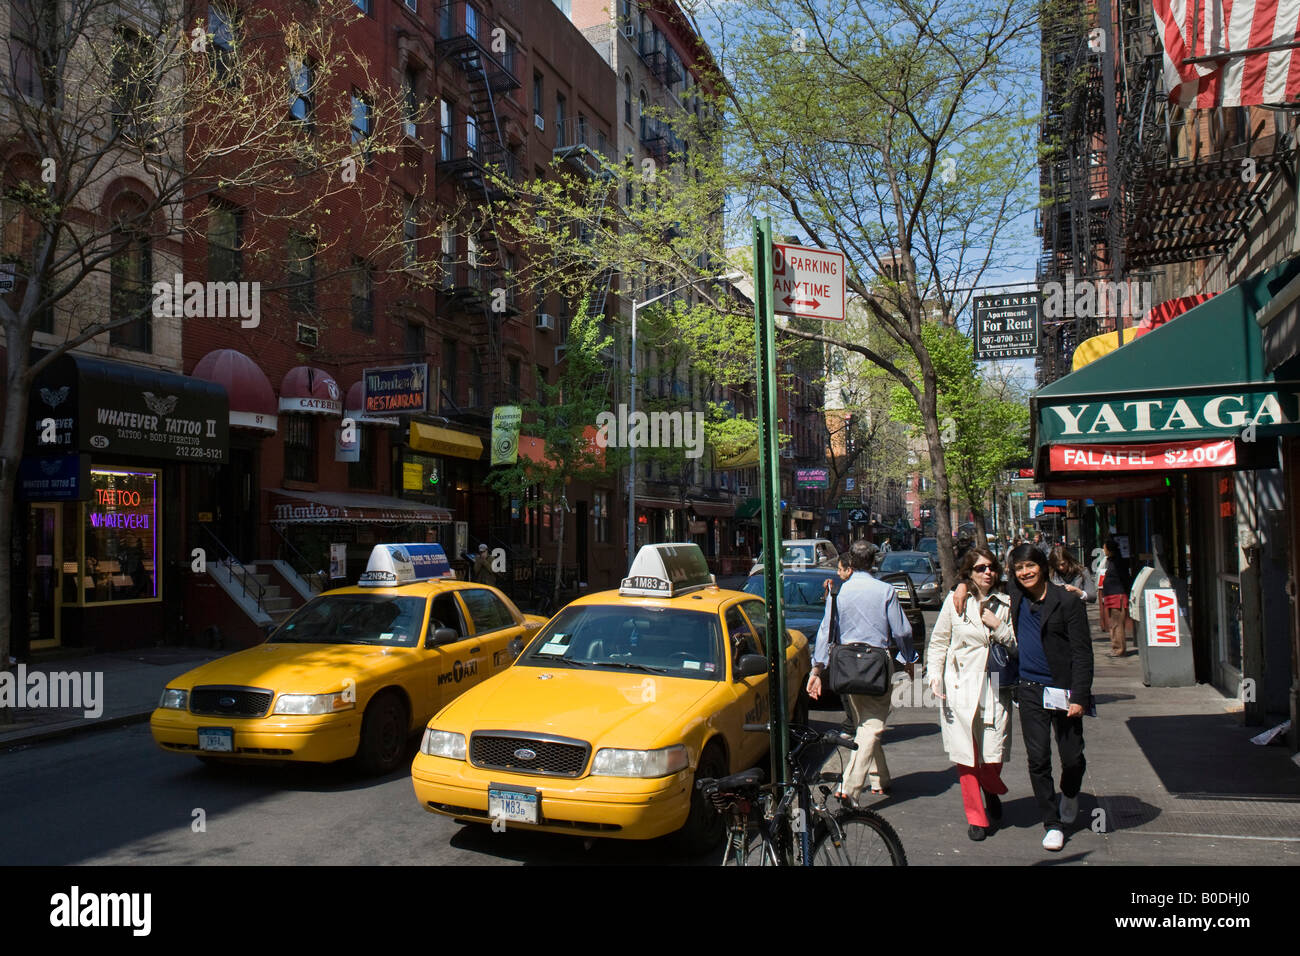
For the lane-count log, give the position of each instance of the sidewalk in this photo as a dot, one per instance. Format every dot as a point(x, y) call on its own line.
point(131, 680)
point(1172, 778)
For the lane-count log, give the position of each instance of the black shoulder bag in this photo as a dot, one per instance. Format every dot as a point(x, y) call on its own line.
point(856, 668)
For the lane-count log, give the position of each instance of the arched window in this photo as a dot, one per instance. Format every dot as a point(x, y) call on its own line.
point(641, 103)
point(130, 276)
point(627, 98)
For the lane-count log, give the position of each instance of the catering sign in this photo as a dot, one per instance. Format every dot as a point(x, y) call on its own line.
point(1154, 456)
point(398, 388)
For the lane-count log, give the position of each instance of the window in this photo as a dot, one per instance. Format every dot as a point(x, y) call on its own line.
point(448, 255)
point(471, 252)
point(300, 447)
point(514, 379)
point(628, 194)
point(410, 235)
point(225, 225)
point(471, 21)
point(21, 247)
point(130, 282)
point(600, 515)
point(120, 536)
point(539, 379)
point(31, 39)
point(361, 473)
point(415, 339)
point(641, 118)
point(302, 273)
point(471, 136)
point(450, 351)
point(362, 5)
point(475, 397)
point(537, 94)
point(447, 119)
point(300, 91)
point(627, 98)
point(445, 613)
point(363, 296)
point(132, 80)
point(582, 131)
point(560, 105)
point(410, 5)
point(362, 122)
point(486, 610)
point(740, 636)
point(222, 26)
point(410, 102)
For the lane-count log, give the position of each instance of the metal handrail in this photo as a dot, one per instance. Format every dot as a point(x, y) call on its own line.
point(231, 562)
point(309, 575)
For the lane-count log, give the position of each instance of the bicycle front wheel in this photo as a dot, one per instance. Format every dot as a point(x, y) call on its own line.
point(865, 839)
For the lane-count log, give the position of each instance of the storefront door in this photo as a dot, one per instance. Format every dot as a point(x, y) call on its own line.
point(44, 563)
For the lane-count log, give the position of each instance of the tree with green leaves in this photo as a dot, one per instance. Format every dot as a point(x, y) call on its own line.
point(564, 417)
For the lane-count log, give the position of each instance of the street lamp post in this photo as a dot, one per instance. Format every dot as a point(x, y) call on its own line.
point(631, 408)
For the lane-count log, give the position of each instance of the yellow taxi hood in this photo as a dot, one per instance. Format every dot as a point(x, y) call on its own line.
point(631, 709)
point(298, 668)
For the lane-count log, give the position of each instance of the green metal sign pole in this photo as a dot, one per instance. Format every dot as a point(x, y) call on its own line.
point(770, 482)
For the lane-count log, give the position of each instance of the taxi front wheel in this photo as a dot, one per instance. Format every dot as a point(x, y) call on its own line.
point(383, 735)
point(703, 829)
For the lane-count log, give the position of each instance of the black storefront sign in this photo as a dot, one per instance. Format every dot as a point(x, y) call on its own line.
point(1005, 326)
point(65, 478)
point(80, 404)
point(399, 388)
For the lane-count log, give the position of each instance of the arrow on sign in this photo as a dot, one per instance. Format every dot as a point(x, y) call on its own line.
point(796, 303)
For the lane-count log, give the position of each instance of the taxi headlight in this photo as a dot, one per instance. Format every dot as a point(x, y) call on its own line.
point(639, 763)
point(443, 743)
point(314, 703)
point(173, 699)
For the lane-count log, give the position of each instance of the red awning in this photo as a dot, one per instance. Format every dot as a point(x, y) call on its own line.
point(713, 509)
point(331, 507)
point(663, 504)
point(252, 400)
point(354, 408)
point(311, 391)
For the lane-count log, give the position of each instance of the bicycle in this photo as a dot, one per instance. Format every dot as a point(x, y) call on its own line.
point(844, 837)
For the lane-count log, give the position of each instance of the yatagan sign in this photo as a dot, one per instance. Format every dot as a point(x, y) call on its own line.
point(1216, 414)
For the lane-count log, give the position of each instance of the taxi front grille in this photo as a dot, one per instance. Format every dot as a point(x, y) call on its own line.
point(529, 753)
point(218, 701)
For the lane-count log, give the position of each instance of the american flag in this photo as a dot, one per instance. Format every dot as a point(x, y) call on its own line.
point(1196, 28)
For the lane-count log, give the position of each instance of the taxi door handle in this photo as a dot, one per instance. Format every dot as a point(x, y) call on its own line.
point(473, 650)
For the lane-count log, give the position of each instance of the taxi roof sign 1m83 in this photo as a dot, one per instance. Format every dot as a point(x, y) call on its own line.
point(392, 565)
point(666, 570)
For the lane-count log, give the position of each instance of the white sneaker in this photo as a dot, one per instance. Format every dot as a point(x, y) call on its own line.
point(1069, 809)
point(1054, 840)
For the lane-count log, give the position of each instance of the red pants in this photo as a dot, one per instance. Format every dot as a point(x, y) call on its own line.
point(987, 777)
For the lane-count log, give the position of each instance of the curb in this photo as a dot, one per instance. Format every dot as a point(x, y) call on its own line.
point(71, 730)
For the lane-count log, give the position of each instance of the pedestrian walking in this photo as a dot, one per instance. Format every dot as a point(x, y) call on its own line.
point(1071, 575)
point(1116, 580)
point(974, 706)
point(868, 613)
point(1055, 658)
point(483, 572)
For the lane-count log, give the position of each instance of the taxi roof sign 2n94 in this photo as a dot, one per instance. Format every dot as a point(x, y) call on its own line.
point(666, 570)
point(808, 283)
point(391, 565)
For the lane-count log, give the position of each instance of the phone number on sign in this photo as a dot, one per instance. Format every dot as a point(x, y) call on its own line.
point(188, 451)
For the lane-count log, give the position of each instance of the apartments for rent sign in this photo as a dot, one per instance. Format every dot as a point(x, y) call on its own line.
point(1006, 326)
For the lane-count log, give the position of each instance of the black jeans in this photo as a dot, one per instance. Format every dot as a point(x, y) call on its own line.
point(1036, 724)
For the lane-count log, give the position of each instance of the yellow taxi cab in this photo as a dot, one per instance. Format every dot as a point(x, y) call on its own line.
point(354, 672)
point(602, 724)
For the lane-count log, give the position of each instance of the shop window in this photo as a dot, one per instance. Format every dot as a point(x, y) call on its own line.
point(300, 448)
point(422, 478)
point(600, 515)
point(361, 473)
point(120, 537)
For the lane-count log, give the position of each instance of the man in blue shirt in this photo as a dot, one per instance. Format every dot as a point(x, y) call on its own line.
point(869, 613)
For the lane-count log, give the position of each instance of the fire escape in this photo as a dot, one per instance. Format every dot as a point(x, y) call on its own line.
point(1193, 179)
point(476, 287)
point(1077, 201)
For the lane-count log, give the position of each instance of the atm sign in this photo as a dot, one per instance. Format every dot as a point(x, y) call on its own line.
point(1161, 616)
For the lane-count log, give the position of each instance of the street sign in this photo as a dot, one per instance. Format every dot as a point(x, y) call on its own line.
point(808, 283)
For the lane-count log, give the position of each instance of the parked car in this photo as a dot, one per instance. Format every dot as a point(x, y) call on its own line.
point(930, 546)
point(921, 568)
point(803, 552)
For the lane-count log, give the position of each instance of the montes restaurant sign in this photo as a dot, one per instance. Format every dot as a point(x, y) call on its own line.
point(400, 388)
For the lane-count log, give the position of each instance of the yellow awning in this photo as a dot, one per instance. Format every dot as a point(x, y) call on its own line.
point(1090, 350)
point(444, 441)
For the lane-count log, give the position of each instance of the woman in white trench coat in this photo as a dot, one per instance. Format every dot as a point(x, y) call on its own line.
point(974, 715)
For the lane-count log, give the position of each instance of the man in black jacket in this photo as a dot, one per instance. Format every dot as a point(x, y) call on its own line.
point(1055, 650)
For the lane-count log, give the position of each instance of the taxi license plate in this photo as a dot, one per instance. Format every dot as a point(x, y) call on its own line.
point(518, 806)
point(217, 738)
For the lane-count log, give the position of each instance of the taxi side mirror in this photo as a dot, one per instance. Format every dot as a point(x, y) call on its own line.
point(751, 665)
point(444, 635)
point(515, 647)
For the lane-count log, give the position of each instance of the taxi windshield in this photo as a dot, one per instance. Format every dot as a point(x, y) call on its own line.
point(670, 641)
point(909, 563)
point(388, 620)
point(800, 592)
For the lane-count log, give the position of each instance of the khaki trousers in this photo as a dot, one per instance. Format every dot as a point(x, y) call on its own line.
point(869, 715)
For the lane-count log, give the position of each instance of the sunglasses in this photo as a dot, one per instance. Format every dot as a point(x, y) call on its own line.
point(981, 568)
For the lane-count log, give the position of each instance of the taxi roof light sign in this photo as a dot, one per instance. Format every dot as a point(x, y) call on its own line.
point(666, 570)
point(392, 565)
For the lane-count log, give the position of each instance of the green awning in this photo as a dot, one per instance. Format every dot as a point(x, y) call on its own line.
point(749, 508)
point(1201, 376)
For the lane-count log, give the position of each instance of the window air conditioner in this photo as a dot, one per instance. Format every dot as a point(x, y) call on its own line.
point(539, 121)
point(545, 322)
point(787, 452)
point(742, 490)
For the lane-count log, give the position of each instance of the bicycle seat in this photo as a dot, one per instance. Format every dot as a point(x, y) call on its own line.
point(737, 781)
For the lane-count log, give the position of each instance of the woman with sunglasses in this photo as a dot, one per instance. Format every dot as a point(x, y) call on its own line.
point(974, 712)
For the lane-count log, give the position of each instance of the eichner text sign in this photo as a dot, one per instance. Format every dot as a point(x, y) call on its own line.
point(808, 283)
point(1005, 326)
